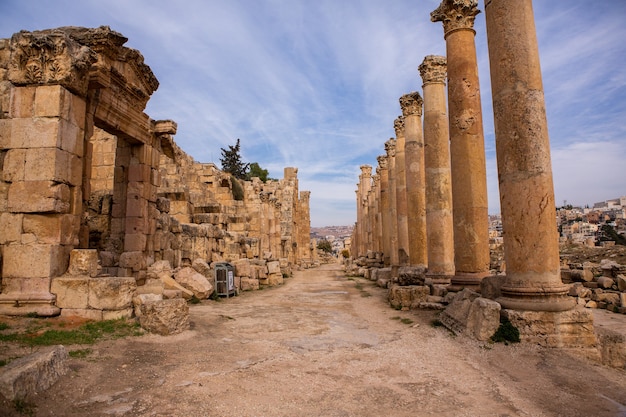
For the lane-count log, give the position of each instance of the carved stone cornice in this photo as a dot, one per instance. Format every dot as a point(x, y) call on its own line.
point(398, 125)
point(411, 104)
point(390, 148)
point(455, 14)
point(434, 69)
point(383, 161)
point(50, 57)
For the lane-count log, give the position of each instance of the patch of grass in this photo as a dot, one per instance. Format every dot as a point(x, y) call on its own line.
point(3, 362)
point(32, 315)
point(365, 294)
point(406, 321)
point(194, 300)
point(79, 353)
point(23, 407)
point(3, 326)
point(506, 333)
point(88, 333)
point(358, 286)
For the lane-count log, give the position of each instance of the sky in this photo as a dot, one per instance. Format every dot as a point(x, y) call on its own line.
point(315, 84)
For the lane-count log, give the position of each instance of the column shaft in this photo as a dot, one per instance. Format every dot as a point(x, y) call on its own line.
point(401, 196)
point(531, 246)
point(390, 148)
point(385, 209)
point(439, 221)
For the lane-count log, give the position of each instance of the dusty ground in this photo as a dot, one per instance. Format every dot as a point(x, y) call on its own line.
point(320, 346)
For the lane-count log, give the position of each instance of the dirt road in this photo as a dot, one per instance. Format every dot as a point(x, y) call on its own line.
point(326, 345)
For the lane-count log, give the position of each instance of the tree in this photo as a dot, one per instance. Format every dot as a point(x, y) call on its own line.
point(257, 171)
point(231, 162)
point(325, 246)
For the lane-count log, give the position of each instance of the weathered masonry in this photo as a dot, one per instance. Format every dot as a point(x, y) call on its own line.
point(83, 168)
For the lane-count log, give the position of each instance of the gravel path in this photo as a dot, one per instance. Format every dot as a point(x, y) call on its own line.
point(326, 345)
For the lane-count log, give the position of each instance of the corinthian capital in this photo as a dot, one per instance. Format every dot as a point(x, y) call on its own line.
point(455, 14)
point(433, 69)
point(398, 125)
point(366, 170)
point(382, 161)
point(390, 147)
point(411, 104)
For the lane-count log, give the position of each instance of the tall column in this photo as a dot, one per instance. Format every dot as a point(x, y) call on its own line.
point(375, 213)
point(401, 196)
point(531, 248)
point(467, 148)
point(384, 208)
point(365, 185)
point(390, 148)
point(411, 105)
point(439, 222)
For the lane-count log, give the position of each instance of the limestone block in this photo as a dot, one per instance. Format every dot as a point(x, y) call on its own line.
point(52, 228)
point(249, 284)
point(609, 267)
point(490, 286)
point(578, 290)
point(111, 293)
point(28, 261)
point(38, 197)
point(14, 165)
point(581, 275)
point(411, 275)
point(140, 299)
point(605, 282)
point(383, 282)
point(273, 267)
point(242, 268)
point(612, 347)
point(621, 282)
point(195, 282)
point(200, 266)
point(407, 297)
point(455, 316)
point(170, 294)
point(483, 319)
point(71, 292)
point(165, 317)
point(83, 313)
point(611, 298)
point(134, 260)
point(33, 374)
point(84, 262)
point(438, 290)
point(135, 242)
point(29, 132)
point(10, 228)
point(151, 286)
point(274, 279)
point(52, 164)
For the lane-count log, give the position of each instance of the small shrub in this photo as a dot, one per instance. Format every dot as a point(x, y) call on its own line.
point(436, 323)
point(406, 321)
point(3, 326)
point(194, 300)
point(3, 362)
point(79, 353)
point(506, 333)
point(23, 407)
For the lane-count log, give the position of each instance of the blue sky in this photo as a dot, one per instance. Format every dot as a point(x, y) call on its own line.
point(315, 84)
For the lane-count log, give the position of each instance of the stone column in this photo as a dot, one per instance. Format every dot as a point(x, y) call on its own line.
point(365, 185)
point(467, 148)
point(533, 280)
point(385, 209)
point(411, 105)
point(376, 227)
point(390, 148)
point(439, 222)
point(401, 196)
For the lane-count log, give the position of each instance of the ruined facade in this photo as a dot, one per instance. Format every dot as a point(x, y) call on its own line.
point(84, 168)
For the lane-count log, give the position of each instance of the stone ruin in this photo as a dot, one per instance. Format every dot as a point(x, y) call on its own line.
point(436, 254)
point(102, 215)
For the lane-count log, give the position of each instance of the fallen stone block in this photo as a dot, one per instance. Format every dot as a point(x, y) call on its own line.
point(455, 316)
point(200, 266)
point(33, 374)
point(165, 317)
point(249, 284)
point(411, 275)
point(84, 262)
point(612, 347)
point(194, 282)
point(406, 297)
point(483, 319)
point(111, 293)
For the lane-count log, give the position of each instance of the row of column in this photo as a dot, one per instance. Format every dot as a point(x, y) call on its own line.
point(433, 194)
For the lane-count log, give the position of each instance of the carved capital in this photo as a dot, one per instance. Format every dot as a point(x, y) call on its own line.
point(390, 147)
point(398, 125)
point(366, 170)
point(411, 104)
point(456, 14)
point(50, 57)
point(433, 69)
point(383, 161)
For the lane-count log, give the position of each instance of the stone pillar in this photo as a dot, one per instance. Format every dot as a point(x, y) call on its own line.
point(531, 247)
point(385, 209)
point(304, 227)
point(439, 222)
point(411, 105)
point(375, 208)
point(401, 195)
point(364, 186)
point(467, 148)
point(390, 148)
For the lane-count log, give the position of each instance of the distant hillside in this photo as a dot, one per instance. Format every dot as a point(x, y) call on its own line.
point(337, 231)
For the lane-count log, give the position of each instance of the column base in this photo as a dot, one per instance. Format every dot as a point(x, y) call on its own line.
point(470, 280)
point(536, 299)
point(23, 304)
point(556, 329)
point(440, 279)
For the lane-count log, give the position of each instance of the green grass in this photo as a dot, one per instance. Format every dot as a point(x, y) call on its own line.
point(402, 320)
point(506, 333)
point(3, 326)
point(436, 323)
point(3, 362)
point(88, 333)
point(79, 353)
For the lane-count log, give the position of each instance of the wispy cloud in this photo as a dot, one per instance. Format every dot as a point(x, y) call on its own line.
point(315, 84)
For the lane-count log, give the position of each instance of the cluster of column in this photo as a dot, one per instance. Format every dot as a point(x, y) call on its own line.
point(433, 187)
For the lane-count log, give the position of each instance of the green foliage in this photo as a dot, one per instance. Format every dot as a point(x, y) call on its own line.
point(86, 334)
point(194, 300)
point(3, 325)
point(436, 323)
point(257, 171)
point(23, 407)
point(345, 253)
point(231, 161)
point(506, 333)
point(324, 245)
point(3, 362)
point(79, 353)
point(609, 233)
